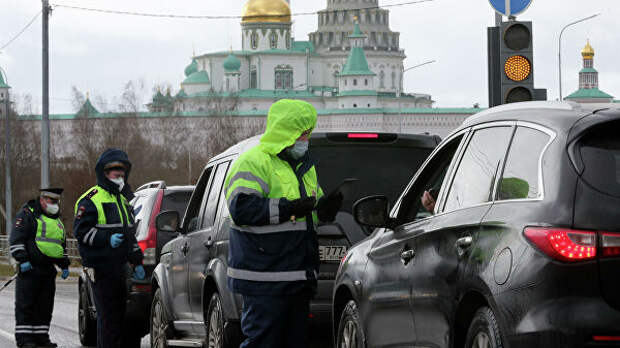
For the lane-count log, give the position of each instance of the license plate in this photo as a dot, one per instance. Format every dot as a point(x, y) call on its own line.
point(332, 252)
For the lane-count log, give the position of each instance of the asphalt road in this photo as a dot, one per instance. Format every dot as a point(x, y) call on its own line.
point(64, 327)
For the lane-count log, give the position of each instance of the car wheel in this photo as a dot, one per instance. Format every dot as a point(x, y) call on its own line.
point(350, 329)
point(160, 325)
point(214, 320)
point(131, 341)
point(87, 327)
point(483, 331)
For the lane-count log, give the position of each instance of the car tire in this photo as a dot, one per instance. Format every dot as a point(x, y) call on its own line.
point(483, 331)
point(350, 329)
point(217, 333)
point(87, 327)
point(160, 331)
point(131, 341)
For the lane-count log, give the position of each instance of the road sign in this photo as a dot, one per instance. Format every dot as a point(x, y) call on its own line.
point(510, 7)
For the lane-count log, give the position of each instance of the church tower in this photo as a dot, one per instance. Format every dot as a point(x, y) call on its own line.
point(588, 81)
point(266, 25)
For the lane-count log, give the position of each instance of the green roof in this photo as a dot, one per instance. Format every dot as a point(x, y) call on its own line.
point(87, 110)
point(301, 46)
point(357, 32)
point(588, 70)
point(2, 83)
point(181, 94)
point(198, 78)
point(192, 68)
point(358, 93)
point(232, 63)
point(590, 93)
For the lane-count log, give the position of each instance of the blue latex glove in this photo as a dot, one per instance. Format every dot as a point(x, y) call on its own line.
point(65, 273)
point(116, 240)
point(138, 272)
point(25, 267)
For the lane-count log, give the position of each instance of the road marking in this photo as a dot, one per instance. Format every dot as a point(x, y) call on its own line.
point(9, 336)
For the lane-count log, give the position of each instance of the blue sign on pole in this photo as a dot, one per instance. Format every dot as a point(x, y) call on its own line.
point(510, 7)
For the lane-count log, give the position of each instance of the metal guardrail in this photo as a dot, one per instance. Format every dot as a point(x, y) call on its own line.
point(5, 255)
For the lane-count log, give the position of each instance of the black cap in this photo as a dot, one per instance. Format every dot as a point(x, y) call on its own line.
point(51, 192)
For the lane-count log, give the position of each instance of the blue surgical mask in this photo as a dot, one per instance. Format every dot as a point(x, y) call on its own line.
point(299, 149)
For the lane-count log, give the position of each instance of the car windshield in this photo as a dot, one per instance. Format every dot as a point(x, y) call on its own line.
point(384, 170)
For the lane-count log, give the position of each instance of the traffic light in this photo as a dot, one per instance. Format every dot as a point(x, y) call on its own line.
point(517, 62)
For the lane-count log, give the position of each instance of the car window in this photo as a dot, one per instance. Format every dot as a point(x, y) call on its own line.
point(142, 207)
point(600, 150)
point(380, 169)
point(430, 179)
point(475, 176)
point(190, 221)
point(176, 201)
point(214, 193)
point(520, 179)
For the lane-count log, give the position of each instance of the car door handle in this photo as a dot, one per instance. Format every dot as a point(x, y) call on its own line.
point(209, 243)
point(185, 249)
point(407, 255)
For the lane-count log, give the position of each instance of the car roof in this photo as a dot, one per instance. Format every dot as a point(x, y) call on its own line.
point(424, 140)
point(560, 116)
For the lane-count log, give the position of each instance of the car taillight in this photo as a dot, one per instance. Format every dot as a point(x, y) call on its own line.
point(610, 245)
point(151, 236)
point(363, 136)
point(564, 244)
point(141, 288)
point(606, 338)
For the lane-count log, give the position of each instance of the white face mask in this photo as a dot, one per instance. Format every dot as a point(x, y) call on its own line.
point(120, 182)
point(52, 209)
point(299, 149)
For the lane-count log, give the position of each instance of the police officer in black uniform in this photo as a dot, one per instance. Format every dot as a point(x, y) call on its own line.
point(105, 231)
point(37, 242)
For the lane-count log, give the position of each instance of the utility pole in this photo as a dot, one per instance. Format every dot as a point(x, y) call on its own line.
point(7, 166)
point(45, 125)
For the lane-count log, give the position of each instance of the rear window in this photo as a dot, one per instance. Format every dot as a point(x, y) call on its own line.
point(600, 151)
point(176, 201)
point(382, 169)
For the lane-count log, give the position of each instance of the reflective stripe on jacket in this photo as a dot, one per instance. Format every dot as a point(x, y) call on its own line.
point(50, 236)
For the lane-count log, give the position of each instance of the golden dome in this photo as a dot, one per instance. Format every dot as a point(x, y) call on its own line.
point(260, 11)
point(588, 51)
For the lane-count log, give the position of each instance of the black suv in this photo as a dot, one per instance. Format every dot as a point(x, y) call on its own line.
point(192, 299)
point(521, 248)
point(150, 200)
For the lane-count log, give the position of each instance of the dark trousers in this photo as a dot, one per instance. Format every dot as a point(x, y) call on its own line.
point(278, 321)
point(110, 301)
point(34, 304)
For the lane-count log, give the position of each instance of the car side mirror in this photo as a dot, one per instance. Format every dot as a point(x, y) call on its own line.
point(372, 211)
point(167, 221)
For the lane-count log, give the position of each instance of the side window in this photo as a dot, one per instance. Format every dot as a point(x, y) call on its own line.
point(214, 193)
point(431, 180)
point(475, 176)
point(521, 174)
point(190, 221)
point(142, 207)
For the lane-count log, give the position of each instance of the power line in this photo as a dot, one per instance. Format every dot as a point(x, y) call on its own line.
point(21, 31)
point(164, 15)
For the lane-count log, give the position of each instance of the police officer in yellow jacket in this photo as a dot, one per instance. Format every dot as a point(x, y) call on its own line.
point(275, 202)
point(37, 242)
point(105, 231)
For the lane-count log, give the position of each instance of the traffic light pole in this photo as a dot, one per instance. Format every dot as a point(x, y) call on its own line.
point(45, 125)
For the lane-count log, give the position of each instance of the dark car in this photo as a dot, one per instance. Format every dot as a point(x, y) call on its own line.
point(150, 200)
point(191, 296)
point(522, 247)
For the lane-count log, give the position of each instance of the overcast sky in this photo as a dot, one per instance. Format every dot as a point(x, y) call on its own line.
point(101, 52)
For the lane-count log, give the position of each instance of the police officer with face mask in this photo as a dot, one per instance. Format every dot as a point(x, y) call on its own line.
point(37, 242)
point(105, 231)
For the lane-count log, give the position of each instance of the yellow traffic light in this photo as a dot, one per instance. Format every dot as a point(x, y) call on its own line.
point(517, 68)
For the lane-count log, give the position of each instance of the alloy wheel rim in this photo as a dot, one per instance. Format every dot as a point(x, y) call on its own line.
point(349, 335)
point(82, 315)
point(482, 340)
point(215, 334)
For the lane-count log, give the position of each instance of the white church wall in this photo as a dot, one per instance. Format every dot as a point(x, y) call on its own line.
point(268, 68)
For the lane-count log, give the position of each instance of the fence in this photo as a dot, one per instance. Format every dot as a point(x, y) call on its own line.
point(5, 255)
